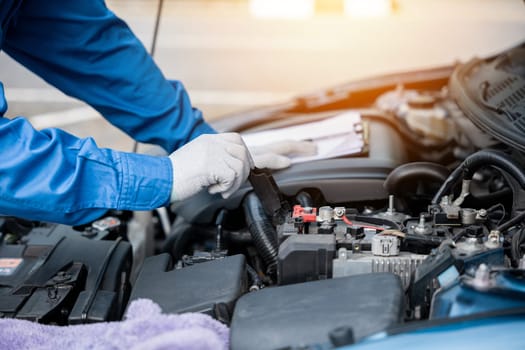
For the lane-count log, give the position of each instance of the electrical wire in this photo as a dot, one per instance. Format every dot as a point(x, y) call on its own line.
point(476, 161)
point(494, 207)
point(396, 233)
point(350, 223)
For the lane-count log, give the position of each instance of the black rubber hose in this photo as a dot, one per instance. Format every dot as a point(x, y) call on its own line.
point(262, 231)
point(476, 161)
point(179, 238)
point(515, 220)
point(413, 172)
point(517, 246)
point(304, 199)
point(433, 241)
point(239, 237)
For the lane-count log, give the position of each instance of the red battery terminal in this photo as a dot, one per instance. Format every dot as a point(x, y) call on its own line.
point(307, 213)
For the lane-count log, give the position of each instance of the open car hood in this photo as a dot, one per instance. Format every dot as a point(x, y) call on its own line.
point(491, 93)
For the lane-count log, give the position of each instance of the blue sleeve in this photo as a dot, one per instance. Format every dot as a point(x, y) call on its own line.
point(83, 49)
point(51, 175)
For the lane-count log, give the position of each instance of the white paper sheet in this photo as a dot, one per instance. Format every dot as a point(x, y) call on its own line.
point(336, 136)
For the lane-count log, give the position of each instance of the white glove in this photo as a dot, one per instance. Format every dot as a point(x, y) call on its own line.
point(274, 155)
point(219, 163)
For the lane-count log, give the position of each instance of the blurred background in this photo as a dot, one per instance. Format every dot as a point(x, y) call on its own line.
point(239, 54)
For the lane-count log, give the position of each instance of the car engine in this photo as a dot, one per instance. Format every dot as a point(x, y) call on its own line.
point(426, 223)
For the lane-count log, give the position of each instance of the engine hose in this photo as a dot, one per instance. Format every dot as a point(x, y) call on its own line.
point(413, 172)
point(262, 231)
point(476, 161)
point(421, 244)
point(179, 238)
point(515, 220)
point(304, 199)
point(433, 241)
point(517, 246)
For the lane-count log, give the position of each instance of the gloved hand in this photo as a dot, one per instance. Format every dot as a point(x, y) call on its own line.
point(219, 163)
point(274, 155)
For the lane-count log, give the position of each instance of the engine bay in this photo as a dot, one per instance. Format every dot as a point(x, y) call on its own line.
point(426, 223)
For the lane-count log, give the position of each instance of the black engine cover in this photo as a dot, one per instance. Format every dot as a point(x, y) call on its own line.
point(210, 287)
point(306, 313)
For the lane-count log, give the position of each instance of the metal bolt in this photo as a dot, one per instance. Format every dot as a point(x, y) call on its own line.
point(339, 212)
point(61, 277)
point(482, 213)
point(391, 208)
point(89, 232)
point(422, 228)
point(482, 277)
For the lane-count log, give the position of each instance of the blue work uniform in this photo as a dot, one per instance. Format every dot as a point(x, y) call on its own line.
point(84, 50)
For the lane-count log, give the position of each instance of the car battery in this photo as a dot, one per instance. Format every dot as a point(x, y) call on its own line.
point(55, 274)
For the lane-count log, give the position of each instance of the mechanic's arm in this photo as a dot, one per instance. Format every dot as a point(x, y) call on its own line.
point(51, 175)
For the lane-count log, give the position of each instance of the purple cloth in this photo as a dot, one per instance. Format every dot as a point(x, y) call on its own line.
point(144, 327)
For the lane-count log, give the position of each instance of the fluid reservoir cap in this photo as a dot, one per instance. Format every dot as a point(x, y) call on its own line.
point(422, 102)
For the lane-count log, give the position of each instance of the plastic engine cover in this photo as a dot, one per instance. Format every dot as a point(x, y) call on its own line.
point(210, 287)
point(305, 313)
